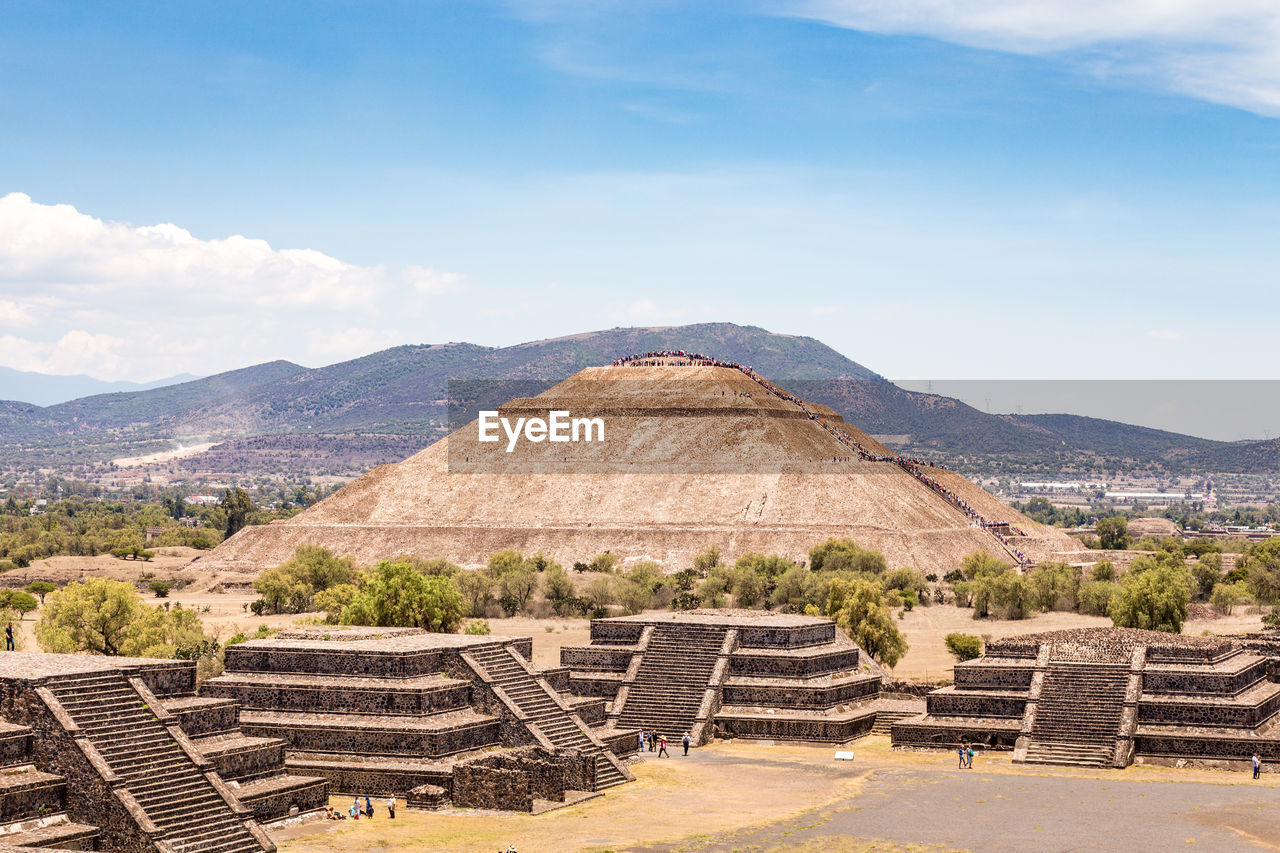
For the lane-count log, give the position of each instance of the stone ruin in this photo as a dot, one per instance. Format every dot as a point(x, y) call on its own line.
point(121, 754)
point(376, 711)
point(736, 673)
point(1106, 697)
point(124, 754)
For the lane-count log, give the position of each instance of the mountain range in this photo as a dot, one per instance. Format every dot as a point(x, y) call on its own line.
point(46, 389)
point(341, 418)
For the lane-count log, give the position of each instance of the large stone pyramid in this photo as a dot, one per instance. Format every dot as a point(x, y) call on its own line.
point(694, 455)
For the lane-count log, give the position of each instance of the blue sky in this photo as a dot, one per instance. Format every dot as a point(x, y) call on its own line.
point(981, 190)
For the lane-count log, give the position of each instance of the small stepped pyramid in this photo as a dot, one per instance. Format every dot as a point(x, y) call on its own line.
point(544, 712)
point(169, 786)
point(674, 675)
point(32, 802)
point(1079, 714)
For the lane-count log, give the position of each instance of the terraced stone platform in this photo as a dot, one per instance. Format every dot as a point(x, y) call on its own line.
point(378, 711)
point(1107, 697)
point(93, 760)
point(736, 673)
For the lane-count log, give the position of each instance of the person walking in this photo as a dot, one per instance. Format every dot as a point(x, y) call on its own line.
point(968, 752)
point(642, 738)
point(8, 637)
point(960, 756)
point(391, 807)
point(1257, 766)
point(684, 741)
point(368, 808)
point(662, 748)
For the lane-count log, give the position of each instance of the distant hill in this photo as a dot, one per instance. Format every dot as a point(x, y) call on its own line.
point(46, 389)
point(284, 418)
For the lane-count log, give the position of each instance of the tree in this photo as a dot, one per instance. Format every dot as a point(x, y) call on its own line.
point(604, 563)
point(1227, 596)
point(964, 646)
point(1002, 596)
point(837, 555)
point(1103, 570)
point(503, 562)
point(632, 596)
point(332, 600)
point(599, 595)
point(160, 588)
point(1113, 532)
point(558, 589)
point(237, 506)
point(89, 616)
point(108, 617)
point(713, 590)
point(1262, 564)
point(516, 587)
point(1054, 586)
point(1095, 597)
point(396, 595)
point(41, 588)
point(980, 564)
point(858, 608)
point(1156, 600)
point(706, 560)
point(476, 589)
point(292, 586)
point(1207, 572)
point(22, 602)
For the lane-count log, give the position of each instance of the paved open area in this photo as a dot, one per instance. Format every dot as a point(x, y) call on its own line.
point(761, 798)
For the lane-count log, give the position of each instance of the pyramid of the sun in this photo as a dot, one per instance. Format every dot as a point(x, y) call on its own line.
point(693, 456)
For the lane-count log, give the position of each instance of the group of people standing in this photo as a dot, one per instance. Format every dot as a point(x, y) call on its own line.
point(651, 741)
point(356, 811)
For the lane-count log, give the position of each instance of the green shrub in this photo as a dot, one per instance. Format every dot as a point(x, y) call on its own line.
point(161, 589)
point(964, 646)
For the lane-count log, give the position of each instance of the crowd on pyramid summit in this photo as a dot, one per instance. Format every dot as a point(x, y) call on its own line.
point(914, 467)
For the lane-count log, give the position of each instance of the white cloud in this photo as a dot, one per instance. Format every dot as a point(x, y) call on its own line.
point(824, 310)
point(118, 301)
point(1164, 335)
point(1226, 51)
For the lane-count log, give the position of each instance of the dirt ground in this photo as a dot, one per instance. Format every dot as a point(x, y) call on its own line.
point(801, 798)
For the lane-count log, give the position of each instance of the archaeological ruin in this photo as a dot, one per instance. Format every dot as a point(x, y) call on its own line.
point(696, 453)
point(733, 673)
point(1107, 697)
point(123, 754)
point(375, 711)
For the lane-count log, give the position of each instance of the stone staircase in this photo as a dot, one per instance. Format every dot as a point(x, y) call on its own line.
point(542, 710)
point(1079, 715)
point(172, 790)
point(672, 681)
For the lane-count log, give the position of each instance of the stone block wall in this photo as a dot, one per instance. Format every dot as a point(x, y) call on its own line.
point(596, 658)
point(808, 729)
point(948, 703)
point(838, 659)
point(971, 677)
point(799, 694)
point(198, 721)
point(479, 787)
point(247, 657)
point(1208, 712)
point(913, 734)
point(1192, 681)
point(381, 741)
point(752, 637)
point(171, 678)
point(344, 700)
point(610, 631)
